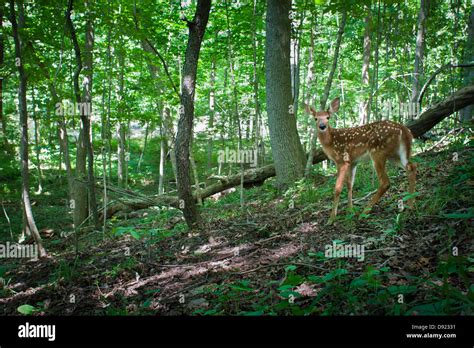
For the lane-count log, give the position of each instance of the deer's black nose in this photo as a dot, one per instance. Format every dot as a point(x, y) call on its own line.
point(322, 126)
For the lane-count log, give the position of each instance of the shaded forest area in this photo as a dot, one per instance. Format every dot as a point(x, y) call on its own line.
point(157, 157)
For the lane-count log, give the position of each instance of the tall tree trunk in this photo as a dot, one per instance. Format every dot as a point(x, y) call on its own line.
point(108, 126)
point(328, 85)
point(86, 115)
point(467, 113)
point(212, 101)
point(197, 29)
point(121, 160)
point(161, 179)
point(364, 108)
point(288, 154)
point(375, 79)
point(295, 45)
point(259, 145)
point(3, 121)
point(84, 143)
point(364, 104)
point(419, 51)
point(29, 225)
point(309, 92)
point(169, 129)
point(147, 127)
point(235, 99)
point(37, 144)
point(121, 128)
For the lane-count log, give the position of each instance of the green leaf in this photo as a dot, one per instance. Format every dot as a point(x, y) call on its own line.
point(26, 309)
point(358, 282)
point(334, 274)
point(135, 234)
point(293, 279)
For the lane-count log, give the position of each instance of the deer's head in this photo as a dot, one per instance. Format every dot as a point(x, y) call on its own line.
point(322, 117)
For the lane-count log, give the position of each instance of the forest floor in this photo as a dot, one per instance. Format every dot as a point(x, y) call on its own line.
point(269, 258)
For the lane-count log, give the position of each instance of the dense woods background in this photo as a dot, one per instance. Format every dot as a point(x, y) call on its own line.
point(158, 158)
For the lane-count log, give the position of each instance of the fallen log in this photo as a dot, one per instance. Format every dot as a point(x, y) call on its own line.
point(427, 120)
point(438, 112)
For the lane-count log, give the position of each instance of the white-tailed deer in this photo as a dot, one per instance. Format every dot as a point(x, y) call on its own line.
point(381, 141)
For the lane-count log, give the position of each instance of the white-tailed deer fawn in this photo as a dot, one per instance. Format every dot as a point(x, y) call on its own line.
point(381, 141)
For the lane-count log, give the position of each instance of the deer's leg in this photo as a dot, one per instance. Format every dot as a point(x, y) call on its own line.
point(341, 177)
point(411, 171)
point(384, 182)
point(350, 176)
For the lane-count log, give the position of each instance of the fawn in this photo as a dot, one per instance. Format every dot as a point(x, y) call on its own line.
point(381, 141)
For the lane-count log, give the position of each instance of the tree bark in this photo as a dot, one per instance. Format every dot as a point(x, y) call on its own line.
point(257, 119)
point(419, 51)
point(86, 114)
point(29, 225)
point(212, 111)
point(288, 154)
point(37, 145)
point(3, 121)
point(467, 113)
point(84, 144)
point(364, 116)
point(197, 29)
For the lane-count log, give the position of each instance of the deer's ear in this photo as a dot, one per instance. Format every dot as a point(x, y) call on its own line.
point(334, 105)
point(309, 109)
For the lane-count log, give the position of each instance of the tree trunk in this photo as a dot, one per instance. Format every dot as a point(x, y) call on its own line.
point(121, 160)
point(86, 114)
point(84, 145)
point(161, 179)
point(185, 126)
point(29, 225)
point(3, 121)
point(288, 154)
point(169, 130)
point(121, 128)
point(37, 144)
point(364, 108)
point(212, 101)
point(235, 98)
point(259, 145)
point(147, 126)
point(328, 85)
point(419, 51)
point(467, 113)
